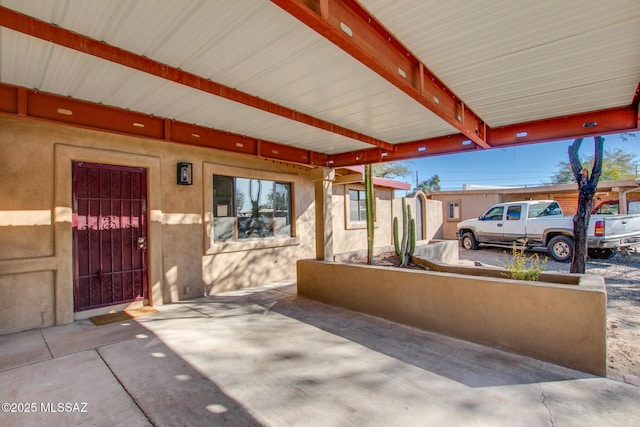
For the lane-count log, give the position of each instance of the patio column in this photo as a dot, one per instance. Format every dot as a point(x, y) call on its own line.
point(323, 179)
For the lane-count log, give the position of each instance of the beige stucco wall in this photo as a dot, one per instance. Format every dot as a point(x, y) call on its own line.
point(350, 239)
point(434, 223)
point(471, 206)
point(349, 236)
point(36, 270)
point(563, 324)
point(432, 220)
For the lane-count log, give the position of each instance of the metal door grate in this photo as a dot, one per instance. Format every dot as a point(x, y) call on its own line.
point(109, 229)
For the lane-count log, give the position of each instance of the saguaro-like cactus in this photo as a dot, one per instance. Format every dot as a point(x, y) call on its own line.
point(370, 210)
point(404, 248)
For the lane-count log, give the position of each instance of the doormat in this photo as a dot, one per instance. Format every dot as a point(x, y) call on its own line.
point(120, 316)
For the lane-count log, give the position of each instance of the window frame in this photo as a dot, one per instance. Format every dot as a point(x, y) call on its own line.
point(213, 246)
point(256, 224)
point(359, 201)
point(500, 208)
point(350, 224)
point(457, 202)
point(519, 209)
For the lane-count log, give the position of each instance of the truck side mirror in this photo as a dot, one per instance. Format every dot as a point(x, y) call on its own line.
point(481, 217)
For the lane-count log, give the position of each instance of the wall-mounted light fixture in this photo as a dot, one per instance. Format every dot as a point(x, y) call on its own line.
point(185, 173)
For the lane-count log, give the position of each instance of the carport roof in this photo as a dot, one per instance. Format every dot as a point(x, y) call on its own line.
point(326, 82)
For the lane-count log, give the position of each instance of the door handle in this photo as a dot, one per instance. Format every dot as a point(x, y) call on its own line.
point(498, 225)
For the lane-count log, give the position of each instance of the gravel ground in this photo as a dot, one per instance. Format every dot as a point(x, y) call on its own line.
point(622, 278)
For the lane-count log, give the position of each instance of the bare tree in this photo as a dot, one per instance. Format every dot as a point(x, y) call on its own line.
point(587, 186)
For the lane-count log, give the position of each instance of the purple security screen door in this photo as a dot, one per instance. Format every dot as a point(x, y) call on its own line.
point(109, 235)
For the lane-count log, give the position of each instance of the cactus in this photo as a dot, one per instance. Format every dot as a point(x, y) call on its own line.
point(396, 243)
point(370, 211)
point(404, 248)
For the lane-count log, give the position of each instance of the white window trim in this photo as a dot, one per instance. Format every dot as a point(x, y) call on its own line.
point(449, 203)
point(356, 225)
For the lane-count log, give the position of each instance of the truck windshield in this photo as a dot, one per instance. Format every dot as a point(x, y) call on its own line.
point(544, 209)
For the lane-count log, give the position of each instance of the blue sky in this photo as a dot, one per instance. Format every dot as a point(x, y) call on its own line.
point(527, 165)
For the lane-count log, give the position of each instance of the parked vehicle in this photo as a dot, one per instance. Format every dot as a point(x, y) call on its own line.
point(612, 207)
point(542, 224)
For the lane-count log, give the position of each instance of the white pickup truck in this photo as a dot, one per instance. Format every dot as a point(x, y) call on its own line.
point(542, 224)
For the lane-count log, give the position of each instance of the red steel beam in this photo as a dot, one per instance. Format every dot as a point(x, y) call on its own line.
point(350, 27)
point(73, 112)
point(19, 101)
point(636, 102)
point(449, 144)
point(601, 122)
point(567, 127)
point(36, 28)
point(636, 96)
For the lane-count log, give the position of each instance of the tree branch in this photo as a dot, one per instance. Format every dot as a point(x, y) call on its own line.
point(574, 160)
point(597, 161)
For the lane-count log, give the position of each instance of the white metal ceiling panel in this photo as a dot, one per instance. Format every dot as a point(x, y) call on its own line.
point(514, 61)
point(256, 47)
point(70, 73)
point(510, 61)
point(263, 51)
point(572, 99)
point(23, 60)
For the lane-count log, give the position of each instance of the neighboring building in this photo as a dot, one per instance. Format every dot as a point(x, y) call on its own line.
point(93, 221)
point(464, 204)
point(349, 222)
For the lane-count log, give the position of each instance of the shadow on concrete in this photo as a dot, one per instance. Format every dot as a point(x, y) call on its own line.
point(269, 356)
point(168, 389)
point(118, 373)
point(461, 361)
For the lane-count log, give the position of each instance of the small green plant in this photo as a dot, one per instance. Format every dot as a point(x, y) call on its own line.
point(523, 267)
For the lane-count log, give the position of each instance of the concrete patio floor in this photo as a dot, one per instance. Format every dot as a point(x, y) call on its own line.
point(264, 356)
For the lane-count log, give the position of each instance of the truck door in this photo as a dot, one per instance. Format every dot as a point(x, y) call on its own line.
point(490, 227)
point(514, 225)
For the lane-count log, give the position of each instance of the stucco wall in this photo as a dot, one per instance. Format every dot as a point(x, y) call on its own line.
point(432, 221)
point(349, 236)
point(36, 270)
point(563, 324)
point(471, 206)
point(435, 223)
point(350, 239)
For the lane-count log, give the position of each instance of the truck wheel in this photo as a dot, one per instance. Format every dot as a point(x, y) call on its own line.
point(469, 241)
point(598, 253)
point(561, 248)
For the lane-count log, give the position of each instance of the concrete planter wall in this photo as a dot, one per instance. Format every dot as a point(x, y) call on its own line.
point(560, 323)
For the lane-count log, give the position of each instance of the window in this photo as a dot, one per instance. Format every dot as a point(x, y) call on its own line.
point(454, 210)
point(513, 213)
point(494, 214)
point(608, 208)
point(544, 209)
point(357, 205)
point(246, 208)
